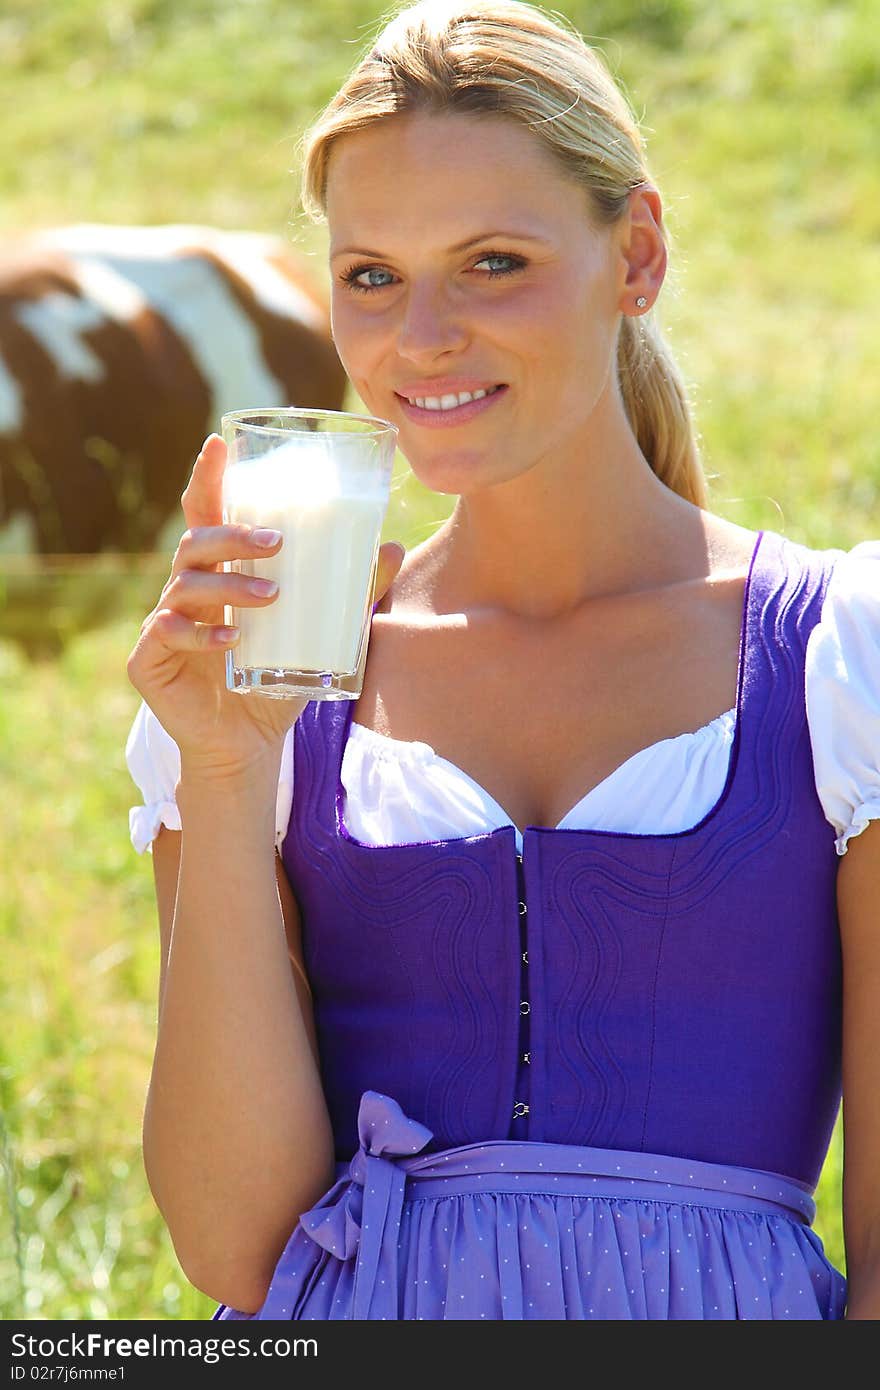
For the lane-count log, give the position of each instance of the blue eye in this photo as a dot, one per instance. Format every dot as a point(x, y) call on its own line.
point(354, 277)
point(367, 278)
point(508, 263)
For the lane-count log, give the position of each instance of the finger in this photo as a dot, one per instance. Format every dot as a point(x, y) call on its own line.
point(204, 547)
point(180, 634)
point(391, 557)
point(201, 595)
point(202, 498)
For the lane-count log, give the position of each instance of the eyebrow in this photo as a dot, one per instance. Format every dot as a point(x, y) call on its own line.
point(459, 246)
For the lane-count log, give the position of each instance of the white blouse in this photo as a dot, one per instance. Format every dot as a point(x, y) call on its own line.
point(401, 792)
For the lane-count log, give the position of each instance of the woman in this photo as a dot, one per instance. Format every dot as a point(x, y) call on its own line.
point(561, 1034)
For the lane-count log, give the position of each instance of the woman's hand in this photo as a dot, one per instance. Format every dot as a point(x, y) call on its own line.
point(179, 661)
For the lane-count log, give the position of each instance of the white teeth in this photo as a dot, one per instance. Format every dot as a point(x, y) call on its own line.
point(453, 400)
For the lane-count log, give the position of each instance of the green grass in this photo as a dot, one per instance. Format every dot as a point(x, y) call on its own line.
point(760, 123)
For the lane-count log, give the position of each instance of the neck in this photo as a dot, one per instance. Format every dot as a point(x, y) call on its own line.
point(592, 519)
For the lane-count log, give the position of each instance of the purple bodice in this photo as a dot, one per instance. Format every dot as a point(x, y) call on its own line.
point(672, 994)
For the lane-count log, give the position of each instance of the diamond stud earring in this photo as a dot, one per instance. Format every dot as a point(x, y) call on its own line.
point(641, 302)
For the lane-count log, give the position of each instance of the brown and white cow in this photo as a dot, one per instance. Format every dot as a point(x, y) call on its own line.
point(120, 348)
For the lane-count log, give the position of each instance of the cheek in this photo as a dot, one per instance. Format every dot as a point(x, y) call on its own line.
point(356, 331)
point(569, 348)
point(579, 353)
point(555, 326)
point(565, 319)
point(362, 342)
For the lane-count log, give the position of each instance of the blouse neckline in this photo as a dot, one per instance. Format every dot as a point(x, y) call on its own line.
point(423, 754)
point(560, 828)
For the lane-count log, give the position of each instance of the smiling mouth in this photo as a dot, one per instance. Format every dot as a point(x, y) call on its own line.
point(453, 400)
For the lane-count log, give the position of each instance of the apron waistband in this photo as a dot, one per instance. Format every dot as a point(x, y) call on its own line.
point(361, 1213)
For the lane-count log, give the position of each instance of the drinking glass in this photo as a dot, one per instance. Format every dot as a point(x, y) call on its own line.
point(323, 479)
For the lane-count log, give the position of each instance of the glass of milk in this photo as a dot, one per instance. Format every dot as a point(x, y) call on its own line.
point(322, 478)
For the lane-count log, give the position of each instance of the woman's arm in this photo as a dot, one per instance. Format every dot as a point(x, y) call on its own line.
point(858, 898)
point(166, 869)
point(237, 1138)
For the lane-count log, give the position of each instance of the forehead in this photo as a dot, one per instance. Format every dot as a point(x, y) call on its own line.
point(437, 174)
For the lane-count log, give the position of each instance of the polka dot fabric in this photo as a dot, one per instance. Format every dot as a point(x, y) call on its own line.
point(520, 1231)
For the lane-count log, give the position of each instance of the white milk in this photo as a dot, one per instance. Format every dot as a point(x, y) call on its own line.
point(331, 527)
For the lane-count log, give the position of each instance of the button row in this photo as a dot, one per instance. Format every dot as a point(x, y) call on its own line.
point(523, 909)
point(521, 1109)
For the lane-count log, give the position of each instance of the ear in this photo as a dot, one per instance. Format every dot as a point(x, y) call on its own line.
point(642, 249)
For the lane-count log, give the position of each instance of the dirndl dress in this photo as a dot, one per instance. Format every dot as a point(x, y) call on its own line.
point(595, 1080)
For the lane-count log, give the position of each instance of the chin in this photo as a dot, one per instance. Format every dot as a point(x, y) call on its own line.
point(451, 471)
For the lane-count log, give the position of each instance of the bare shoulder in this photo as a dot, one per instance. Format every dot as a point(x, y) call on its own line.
point(729, 547)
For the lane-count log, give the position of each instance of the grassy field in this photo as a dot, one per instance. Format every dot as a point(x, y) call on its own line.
point(761, 122)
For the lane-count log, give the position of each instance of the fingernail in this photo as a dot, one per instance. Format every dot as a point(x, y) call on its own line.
point(263, 536)
point(266, 587)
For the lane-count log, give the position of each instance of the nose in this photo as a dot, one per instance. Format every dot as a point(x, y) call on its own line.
point(430, 326)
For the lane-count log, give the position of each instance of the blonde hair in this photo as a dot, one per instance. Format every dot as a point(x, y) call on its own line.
point(503, 58)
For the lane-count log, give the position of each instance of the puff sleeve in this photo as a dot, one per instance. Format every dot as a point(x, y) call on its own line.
point(842, 674)
point(153, 761)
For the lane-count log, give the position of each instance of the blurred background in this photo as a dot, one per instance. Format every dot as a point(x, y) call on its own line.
point(761, 129)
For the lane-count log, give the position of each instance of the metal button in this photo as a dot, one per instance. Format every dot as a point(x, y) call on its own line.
point(519, 858)
point(520, 1108)
point(525, 957)
point(527, 1057)
point(524, 1006)
point(522, 908)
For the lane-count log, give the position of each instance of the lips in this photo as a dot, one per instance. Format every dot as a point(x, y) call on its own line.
point(438, 405)
point(449, 400)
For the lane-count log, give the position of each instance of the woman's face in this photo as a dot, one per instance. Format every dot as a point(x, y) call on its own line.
point(463, 265)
